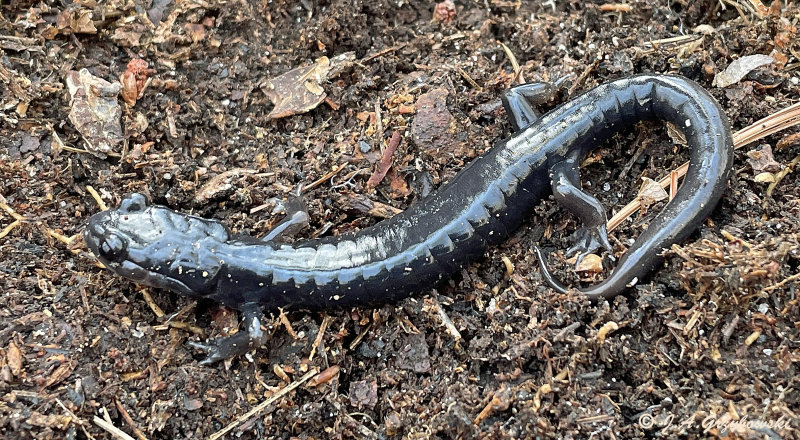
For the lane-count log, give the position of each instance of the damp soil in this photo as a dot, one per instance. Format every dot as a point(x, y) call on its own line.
point(708, 343)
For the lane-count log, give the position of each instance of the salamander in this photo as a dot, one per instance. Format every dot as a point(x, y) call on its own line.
point(432, 239)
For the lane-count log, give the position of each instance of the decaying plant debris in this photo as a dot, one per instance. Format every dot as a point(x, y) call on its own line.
point(379, 103)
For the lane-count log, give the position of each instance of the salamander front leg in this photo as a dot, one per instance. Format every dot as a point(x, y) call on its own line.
point(250, 337)
point(568, 193)
point(296, 219)
point(520, 101)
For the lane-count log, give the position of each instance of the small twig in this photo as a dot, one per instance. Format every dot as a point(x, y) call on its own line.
point(386, 160)
point(288, 325)
point(9, 228)
point(585, 74)
point(468, 78)
point(782, 283)
point(448, 324)
point(18, 219)
point(260, 407)
point(322, 179)
point(76, 419)
point(62, 238)
point(125, 416)
point(318, 340)
point(378, 120)
point(181, 325)
point(96, 198)
point(500, 401)
point(383, 52)
point(360, 337)
point(676, 41)
point(783, 119)
point(10, 211)
point(77, 150)
point(111, 429)
point(153, 306)
point(518, 76)
point(615, 7)
point(779, 177)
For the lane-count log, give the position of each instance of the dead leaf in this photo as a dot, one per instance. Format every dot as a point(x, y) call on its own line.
point(739, 68)
point(298, 90)
point(651, 192)
point(94, 111)
point(60, 374)
point(129, 35)
point(156, 13)
point(14, 359)
point(196, 32)
point(397, 184)
point(55, 421)
point(220, 185)
point(192, 404)
point(364, 394)
point(76, 19)
point(590, 263)
point(765, 178)
point(762, 160)
point(363, 205)
point(787, 141)
point(129, 92)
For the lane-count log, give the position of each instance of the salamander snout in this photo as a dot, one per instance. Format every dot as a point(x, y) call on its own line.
point(107, 245)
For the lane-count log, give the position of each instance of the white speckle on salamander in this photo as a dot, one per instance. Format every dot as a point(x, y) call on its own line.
point(205, 274)
point(180, 270)
point(336, 297)
point(688, 123)
point(260, 284)
point(408, 269)
point(633, 282)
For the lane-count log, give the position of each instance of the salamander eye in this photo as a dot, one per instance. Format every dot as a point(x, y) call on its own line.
point(133, 204)
point(113, 247)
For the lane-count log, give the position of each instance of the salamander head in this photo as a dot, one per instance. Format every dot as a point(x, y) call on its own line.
point(156, 246)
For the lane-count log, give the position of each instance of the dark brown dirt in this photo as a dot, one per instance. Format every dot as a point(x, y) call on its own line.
point(712, 338)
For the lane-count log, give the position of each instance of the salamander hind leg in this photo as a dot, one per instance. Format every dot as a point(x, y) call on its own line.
point(592, 236)
point(240, 343)
point(520, 102)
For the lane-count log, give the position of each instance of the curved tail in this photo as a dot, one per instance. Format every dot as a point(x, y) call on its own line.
point(690, 107)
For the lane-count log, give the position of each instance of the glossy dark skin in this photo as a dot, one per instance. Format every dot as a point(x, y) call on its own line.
point(432, 239)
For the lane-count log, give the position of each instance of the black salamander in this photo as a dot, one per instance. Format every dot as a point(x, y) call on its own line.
point(433, 238)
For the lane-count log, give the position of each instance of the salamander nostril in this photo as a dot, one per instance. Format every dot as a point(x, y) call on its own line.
point(133, 203)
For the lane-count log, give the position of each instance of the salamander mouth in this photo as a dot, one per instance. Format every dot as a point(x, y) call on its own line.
point(119, 253)
point(111, 247)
